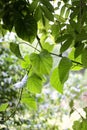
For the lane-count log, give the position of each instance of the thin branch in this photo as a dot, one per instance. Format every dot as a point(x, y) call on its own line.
point(78, 113)
point(62, 57)
point(29, 45)
point(76, 62)
point(39, 42)
point(13, 113)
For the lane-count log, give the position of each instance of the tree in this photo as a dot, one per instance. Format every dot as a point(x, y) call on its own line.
point(64, 22)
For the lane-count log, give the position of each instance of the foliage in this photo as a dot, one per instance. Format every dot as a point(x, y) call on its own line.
point(64, 22)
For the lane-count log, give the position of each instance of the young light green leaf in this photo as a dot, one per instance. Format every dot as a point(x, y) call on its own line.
point(3, 107)
point(84, 57)
point(15, 49)
point(26, 62)
point(64, 67)
point(29, 102)
point(47, 46)
point(26, 28)
point(55, 80)
point(41, 63)
point(34, 84)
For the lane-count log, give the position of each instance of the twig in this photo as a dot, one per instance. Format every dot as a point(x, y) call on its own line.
point(13, 113)
point(29, 45)
point(76, 62)
point(39, 42)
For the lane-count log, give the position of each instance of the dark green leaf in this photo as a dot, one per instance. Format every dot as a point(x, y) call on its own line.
point(15, 49)
point(71, 104)
point(55, 80)
point(33, 5)
point(47, 13)
point(48, 5)
point(63, 38)
point(64, 68)
point(81, 37)
point(84, 57)
point(66, 45)
point(38, 13)
point(26, 28)
point(34, 84)
point(78, 50)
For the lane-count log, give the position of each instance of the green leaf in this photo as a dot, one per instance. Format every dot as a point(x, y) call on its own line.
point(81, 37)
point(33, 5)
point(78, 59)
point(47, 13)
point(78, 50)
point(66, 45)
point(77, 125)
point(26, 28)
point(26, 62)
point(55, 80)
point(80, 125)
point(29, 101)
point(62, 10)
point(34, 84)
point(41, 63)
point(67, 13)
point(71, 104)
point(64, 67)
point(85, 109)
point(62, 38)
point(48, 5)
point(84, 57)
point(47, 46)
point(60, 18)
point(38, 13)
point(55, 30)
point(3, 107)
point(15, 49)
